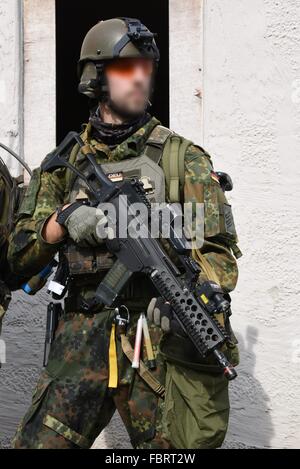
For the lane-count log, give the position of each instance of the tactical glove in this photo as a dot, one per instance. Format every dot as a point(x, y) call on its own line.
point(85, 225)
point(160, 313)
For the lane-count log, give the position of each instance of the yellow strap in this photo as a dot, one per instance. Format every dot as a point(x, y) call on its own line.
point(205, 266)
point(211, 275)
point(113, 362)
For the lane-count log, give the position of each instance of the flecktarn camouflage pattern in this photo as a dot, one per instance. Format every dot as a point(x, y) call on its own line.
point(72, 403)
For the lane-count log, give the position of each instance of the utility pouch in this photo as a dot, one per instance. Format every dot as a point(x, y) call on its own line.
point(59, 285)
point(84, 261)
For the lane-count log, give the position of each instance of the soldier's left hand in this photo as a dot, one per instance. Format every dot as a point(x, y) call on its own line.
point(160, 313)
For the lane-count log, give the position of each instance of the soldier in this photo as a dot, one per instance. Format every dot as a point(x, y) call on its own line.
point(89, 374)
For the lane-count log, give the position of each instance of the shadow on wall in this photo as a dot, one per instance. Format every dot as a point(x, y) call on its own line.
point(251, 423)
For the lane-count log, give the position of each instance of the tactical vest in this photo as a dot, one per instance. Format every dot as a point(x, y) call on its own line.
point(160, 168)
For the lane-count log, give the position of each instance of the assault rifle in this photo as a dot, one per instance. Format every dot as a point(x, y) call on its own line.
point(144, 254)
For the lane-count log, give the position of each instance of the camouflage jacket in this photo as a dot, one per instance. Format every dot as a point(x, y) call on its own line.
point(29, 252)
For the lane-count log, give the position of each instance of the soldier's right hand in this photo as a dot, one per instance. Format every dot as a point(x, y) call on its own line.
point(86, 226)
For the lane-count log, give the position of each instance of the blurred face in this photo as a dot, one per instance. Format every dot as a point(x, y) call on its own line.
point(129, 83)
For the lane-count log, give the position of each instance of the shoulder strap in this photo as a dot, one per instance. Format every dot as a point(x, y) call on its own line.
point(184, 145)
point(70, 176)
point(173, 164)
point(167, 148)
point(156, 143)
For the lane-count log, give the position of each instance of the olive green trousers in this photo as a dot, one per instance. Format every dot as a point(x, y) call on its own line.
point(195, 413)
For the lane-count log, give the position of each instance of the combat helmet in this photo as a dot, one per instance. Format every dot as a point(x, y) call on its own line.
point(109, 40)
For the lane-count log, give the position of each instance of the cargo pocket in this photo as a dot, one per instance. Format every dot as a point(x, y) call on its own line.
point(196, 409)
point(143, 409)
point(66, 432)
point(143, 416)
point(38, 397)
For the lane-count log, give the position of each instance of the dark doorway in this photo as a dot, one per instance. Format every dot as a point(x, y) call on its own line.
point(73, 20)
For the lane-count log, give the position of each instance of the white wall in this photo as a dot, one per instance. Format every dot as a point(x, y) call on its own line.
point(186, 63)
point(27, 79)
point(252, 128)
point(40, 80)
point(10, 81)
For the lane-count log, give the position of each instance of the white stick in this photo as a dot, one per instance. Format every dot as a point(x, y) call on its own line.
point(138, 343)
